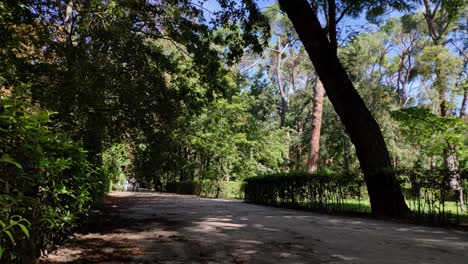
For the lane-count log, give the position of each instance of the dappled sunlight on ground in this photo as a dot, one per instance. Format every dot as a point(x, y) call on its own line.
point(167, 228)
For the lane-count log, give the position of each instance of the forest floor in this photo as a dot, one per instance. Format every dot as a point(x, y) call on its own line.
point(149, 227)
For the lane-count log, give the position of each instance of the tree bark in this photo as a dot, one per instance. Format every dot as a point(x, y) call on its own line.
point(68, 22)
point(384, 191)
point(463, 104)
point(279, 81)
point(314, 154)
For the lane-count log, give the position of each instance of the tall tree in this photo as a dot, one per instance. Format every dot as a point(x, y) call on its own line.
point(314, 153)
point(440, 17)
point(384, 191)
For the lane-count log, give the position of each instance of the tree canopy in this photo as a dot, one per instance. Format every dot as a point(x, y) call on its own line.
point(96, 93)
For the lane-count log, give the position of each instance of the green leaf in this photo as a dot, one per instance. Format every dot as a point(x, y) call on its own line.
point(8, 159)
point(9, 235)
point(25, 230)
point(1, 252)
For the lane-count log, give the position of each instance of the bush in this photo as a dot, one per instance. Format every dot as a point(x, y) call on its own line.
point(47, 183)
point(323, 190)
point(426, 192)
point(207, 188)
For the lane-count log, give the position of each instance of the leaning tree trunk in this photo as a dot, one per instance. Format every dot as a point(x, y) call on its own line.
point(384, 191)
point(313, 159)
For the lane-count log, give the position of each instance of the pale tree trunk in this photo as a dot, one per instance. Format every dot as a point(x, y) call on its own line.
point(68, 22)
point(314, 154)
point(283, 94)
point(279, 82)
point(384, 190)
point(298, 161)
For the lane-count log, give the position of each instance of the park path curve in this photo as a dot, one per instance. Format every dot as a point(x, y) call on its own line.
point(148, 227)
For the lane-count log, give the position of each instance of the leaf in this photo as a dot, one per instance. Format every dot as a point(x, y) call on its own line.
point(8, 159)
point(9, 235)
point(25, 229)
point(1, 252)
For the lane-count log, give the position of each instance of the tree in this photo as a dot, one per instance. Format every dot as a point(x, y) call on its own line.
point(334, 11)
point(441, 16)
point(314, 153)
point(384, 191)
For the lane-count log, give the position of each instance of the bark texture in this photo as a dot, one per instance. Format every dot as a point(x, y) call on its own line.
point(314, 154)
point(384, 191)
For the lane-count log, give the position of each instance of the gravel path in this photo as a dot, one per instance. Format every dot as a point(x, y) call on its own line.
point(168, 228)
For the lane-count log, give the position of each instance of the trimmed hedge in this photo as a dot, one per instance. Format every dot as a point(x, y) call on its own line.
point(426, 192)
point(207, 188)
point(322, 191)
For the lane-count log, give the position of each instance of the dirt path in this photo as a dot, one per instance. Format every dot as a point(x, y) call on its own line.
point(166, 228)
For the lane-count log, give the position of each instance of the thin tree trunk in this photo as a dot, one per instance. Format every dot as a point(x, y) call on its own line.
point(347, 161)
point(384, 191)
point(314, 154)
point(279, 82)
point(284, 109)
point(68, 22)
point(299, 147)
point(463, 104)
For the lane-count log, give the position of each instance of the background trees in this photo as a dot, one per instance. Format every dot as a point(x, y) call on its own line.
point(170, 91)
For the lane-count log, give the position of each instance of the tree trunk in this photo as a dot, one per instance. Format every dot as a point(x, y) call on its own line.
point(68, 22)
point(463, 104)
point(283, 109)
point(384, 190)
point(279, 82)
point(313, 159)
point(299, 161)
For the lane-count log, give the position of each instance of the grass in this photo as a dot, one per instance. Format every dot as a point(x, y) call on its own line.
point(433, 212)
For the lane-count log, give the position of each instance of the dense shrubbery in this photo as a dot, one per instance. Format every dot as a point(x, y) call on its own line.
point(47, 183)
point(426, 191)
point(322, 190)
point(207, 188)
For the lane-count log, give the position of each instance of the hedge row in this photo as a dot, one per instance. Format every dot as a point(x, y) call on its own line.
point(207, 188)
point(323, 191)
point(426, 192)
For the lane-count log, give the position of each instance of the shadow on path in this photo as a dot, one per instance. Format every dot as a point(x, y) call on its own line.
point(167, 228)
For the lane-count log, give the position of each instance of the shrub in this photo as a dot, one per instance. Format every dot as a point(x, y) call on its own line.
point(47, 183)
point(322, 190)
point(426, 192)
point(207, 188)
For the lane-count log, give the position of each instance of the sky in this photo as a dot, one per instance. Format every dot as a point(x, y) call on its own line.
point(347, 25)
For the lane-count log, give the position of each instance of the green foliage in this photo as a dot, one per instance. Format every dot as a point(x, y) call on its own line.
point(208, 188)
point(425, 191)
point(6, 230)
point(47, 182)
point(438, 60)
point(431, 132)
point(115, 162)
point(236, 142)
point(322, 190)
point(151, 89)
